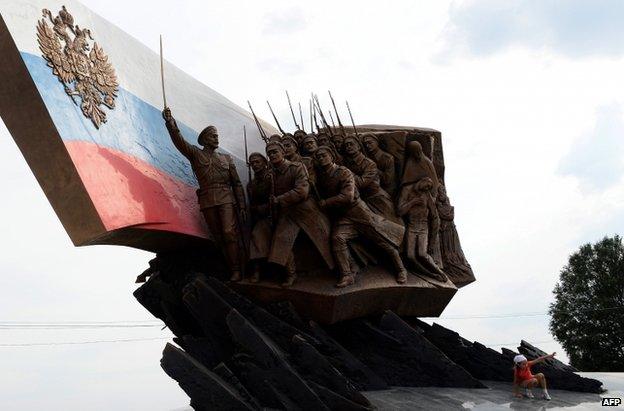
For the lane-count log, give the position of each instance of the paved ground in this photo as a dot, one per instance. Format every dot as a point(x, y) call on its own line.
point(497, 397)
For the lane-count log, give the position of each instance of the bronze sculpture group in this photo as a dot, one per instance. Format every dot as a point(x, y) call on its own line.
point(341, 190)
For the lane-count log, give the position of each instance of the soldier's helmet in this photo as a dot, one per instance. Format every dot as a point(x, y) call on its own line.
point(289, 137)
point(299, 134)
point(274, 144)
point(275, 137)
point(255, 154)
point(210, 130)
point(308, 137)
point(356, 140)
point(367, 136)
point(325, 149)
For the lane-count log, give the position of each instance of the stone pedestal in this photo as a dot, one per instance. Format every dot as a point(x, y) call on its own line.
point(374, 292)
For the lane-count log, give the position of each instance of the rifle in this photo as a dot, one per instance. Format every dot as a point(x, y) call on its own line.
point(311, 125)
point(247, 155)
point(243, 222)
point(337, 116)
point(275, 118)
point(318, 129)
point(263, 134)
point(291, 112)
point(312, 184)
point(352, 122)
point(318, 107)
point(272, 219)
point(332, 119)
point(301, 117)
point(272, 211)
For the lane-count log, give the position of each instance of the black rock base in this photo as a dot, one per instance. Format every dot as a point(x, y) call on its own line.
point(235, 354)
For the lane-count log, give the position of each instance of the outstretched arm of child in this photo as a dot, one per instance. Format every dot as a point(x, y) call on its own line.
point(542, 358)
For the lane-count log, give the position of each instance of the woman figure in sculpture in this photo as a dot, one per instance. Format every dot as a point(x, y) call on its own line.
point(524, 379)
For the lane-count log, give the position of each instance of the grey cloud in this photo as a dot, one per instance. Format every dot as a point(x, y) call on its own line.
point(574, 28)
point(597, 160)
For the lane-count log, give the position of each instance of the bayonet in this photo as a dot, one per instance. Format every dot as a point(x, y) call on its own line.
point(323, 119)
point(301, 117)
point(311, 118)
point(318, 129)
point(291, 112)
point(275, 118)
point(352, 122)
point(337, 116)
point(247, 155)
point(263, 134)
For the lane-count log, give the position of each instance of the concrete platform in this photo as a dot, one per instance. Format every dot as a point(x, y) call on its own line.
point(375, 290)
point(497, 397)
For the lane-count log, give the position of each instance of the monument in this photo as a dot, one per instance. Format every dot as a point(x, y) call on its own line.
point(284, 288)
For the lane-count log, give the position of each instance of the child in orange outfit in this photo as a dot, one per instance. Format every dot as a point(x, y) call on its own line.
point(523, 377)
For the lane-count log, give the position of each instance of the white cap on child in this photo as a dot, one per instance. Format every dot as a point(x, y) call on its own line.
point(519, 358)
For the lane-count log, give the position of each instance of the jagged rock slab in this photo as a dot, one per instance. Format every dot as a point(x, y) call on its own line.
point(487, 364)
point(282, 333)
point(362, 377)
point(400, 356)
point(258, 383)
point(480, 361)
point(432, 360)
point(161, 295)
point(207, 390)
point(204, 349)
point(269, 357)
point(335, 401)
point(317, 369)
point(228, 376)
point(531, 352)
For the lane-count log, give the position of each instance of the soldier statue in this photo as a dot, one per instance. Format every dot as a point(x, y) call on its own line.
point(323, 139)
point(294, 211)
point(353, 218)
point(367, 179)
point(258, 193)
point(338, 141)
point(292, 154)
point(384, 161)
point(308, 145)
point(221, 197)
point(298, 135)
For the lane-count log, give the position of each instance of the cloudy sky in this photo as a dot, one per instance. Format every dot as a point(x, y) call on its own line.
point(527, 95)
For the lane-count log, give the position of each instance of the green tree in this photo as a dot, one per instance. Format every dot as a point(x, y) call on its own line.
point(587, 317)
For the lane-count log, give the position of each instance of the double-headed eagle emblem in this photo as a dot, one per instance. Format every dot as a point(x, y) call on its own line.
point(90, 78)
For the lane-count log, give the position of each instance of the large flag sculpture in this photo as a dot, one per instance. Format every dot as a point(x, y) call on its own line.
point(83, 101)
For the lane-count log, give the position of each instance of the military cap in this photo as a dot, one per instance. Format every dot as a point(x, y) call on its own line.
point(274, 143)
